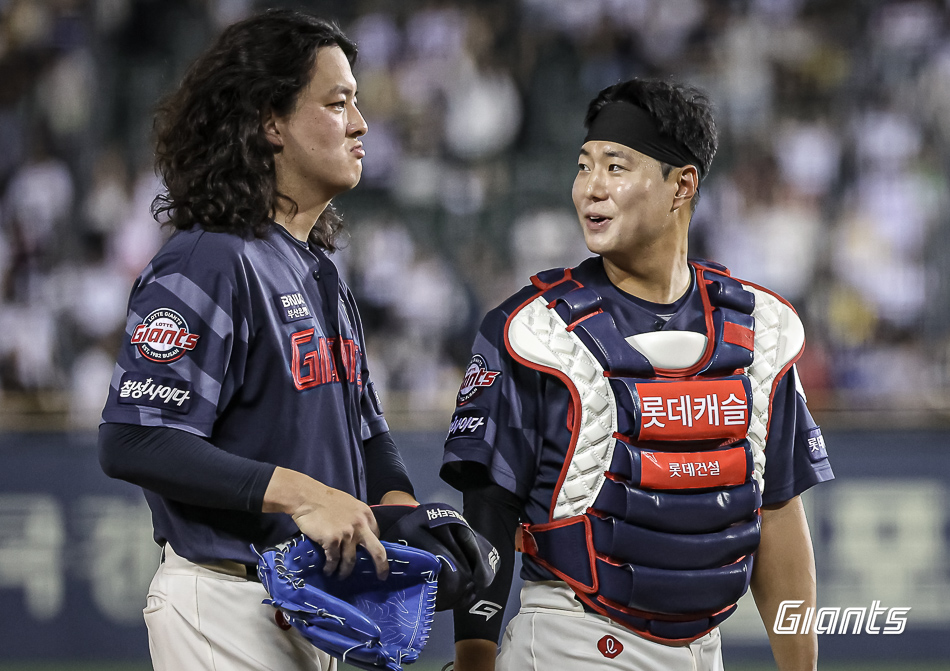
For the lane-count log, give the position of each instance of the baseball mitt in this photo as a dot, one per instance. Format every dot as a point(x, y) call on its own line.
point(470, 560)
point(361, 620)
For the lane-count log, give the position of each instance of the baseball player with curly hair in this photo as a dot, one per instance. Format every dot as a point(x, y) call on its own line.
point(241, 401)
point(641, 416)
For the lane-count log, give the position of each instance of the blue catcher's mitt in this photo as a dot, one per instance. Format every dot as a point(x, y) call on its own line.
point(362, 620)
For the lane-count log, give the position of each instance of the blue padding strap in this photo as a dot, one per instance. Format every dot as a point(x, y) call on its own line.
point(656, 590)
point(728, 357)
point(657, 549)
point(669, 629)
point(551, 276)
point(565, 547)
point(728, 293)
point(600, 335)
point(578, 303)
point(693, 512)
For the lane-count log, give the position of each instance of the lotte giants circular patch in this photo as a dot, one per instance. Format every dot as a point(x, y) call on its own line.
point(477, 378)
point(163, 336)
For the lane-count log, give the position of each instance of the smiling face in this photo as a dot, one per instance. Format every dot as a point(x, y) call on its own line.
point(317, 149)
point(623, 202)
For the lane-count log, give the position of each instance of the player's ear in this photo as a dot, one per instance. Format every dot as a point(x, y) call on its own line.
point(271, 126)
point(687, 181)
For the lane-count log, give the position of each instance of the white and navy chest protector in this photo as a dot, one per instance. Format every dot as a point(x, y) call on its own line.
point(655, 517)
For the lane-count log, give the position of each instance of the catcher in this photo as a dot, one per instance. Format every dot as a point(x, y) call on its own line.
point(641, 415)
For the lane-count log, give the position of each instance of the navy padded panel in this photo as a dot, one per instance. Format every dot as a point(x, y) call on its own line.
point(672, 629)
point(656, 549)
point(579, 303)
point(600, 335)
point(727, 357)
point(674, 592)
point(728, 293)
point(551, 275)
point(702, 512)
point(565, 547)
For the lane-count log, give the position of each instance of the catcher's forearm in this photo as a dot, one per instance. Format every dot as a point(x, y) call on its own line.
point(784, 569)
point(475, 655)
point(493, 512)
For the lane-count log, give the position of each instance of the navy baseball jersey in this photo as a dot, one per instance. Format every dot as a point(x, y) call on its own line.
point(514, 421)
point(255, 345)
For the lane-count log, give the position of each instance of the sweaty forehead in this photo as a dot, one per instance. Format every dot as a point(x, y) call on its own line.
point(601, 149)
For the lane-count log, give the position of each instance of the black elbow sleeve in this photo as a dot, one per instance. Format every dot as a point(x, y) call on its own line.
point(494, 512)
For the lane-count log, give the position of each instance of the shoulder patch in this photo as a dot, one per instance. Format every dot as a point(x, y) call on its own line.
point(163, 336)
point(815, 443)
point(477, 379)
point(469, 423)
point(156, 392)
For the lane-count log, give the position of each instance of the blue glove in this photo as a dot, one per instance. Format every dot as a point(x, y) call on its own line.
point(361, 620)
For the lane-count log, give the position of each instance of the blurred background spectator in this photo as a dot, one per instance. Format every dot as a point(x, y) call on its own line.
point(831, 184)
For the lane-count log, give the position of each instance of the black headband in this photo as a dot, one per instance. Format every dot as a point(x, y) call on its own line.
point(632, 126)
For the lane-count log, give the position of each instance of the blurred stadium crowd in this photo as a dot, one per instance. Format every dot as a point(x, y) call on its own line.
point(831, 184)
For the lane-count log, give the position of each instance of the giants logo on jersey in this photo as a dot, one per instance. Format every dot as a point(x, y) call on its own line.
point(163, 336)
point(318, 366)
point(477, 378)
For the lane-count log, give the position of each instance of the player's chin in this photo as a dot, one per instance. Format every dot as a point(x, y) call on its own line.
point(596, 243)
point(347, 180)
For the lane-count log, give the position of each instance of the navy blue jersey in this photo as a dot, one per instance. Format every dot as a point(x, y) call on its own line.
point(255, 345)
point(513, 420)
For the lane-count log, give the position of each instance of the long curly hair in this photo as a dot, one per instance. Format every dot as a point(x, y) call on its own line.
point(211, 151)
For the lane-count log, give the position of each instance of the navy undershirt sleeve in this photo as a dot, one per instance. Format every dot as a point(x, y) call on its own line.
point(494, 512)
point(182, 466)
point(385, 470)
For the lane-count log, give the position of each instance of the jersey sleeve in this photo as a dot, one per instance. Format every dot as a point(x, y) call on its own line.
point(185, 343)
point(494, 435)
point(795, 454)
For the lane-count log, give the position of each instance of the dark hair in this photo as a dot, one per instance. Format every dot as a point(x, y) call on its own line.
point(211, 151)
point(680, 111)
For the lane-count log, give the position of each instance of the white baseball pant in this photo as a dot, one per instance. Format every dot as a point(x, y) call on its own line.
point(208, 617)
point(553, 631)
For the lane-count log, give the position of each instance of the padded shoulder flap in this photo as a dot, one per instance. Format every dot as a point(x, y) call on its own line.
point(779, 342)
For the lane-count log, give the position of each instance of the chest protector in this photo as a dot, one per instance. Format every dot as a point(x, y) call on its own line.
point(655, 516)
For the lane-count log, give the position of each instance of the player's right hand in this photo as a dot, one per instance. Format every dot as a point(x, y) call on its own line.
point(336, 520)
